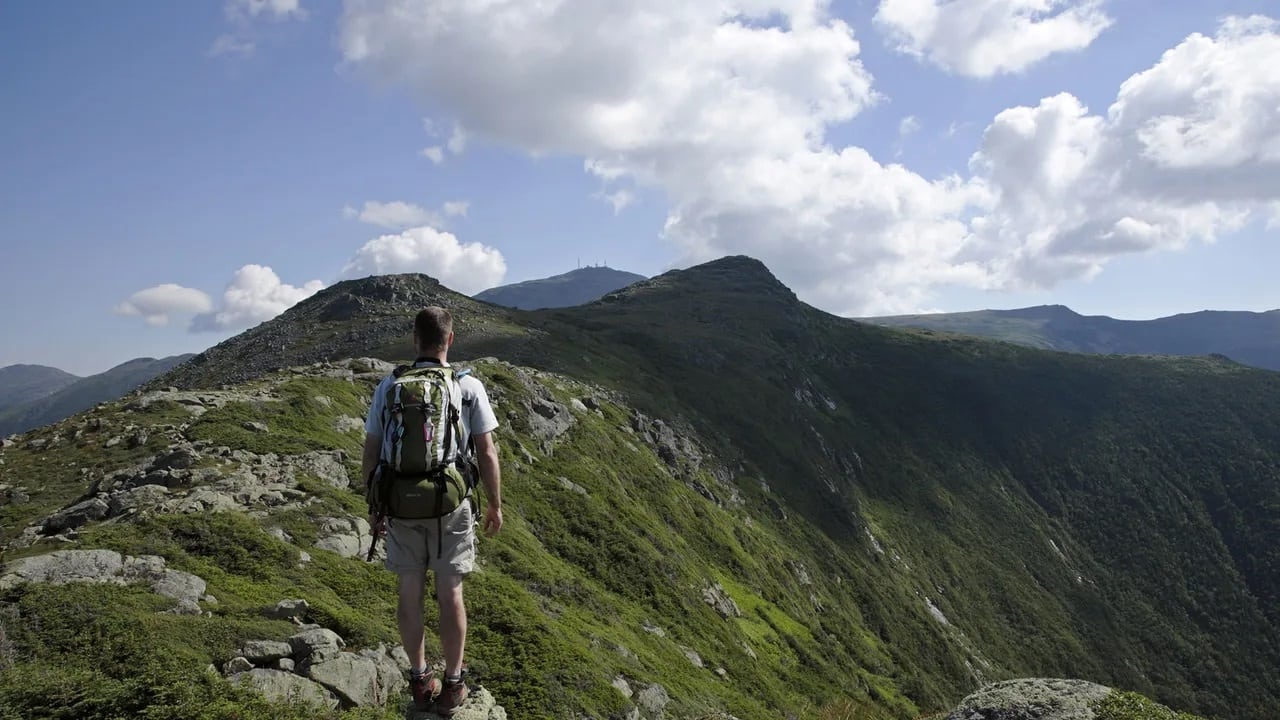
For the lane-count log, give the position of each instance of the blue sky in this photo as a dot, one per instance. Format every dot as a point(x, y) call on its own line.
point(191, 146)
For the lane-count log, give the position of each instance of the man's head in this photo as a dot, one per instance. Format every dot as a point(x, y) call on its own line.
point(433, 332)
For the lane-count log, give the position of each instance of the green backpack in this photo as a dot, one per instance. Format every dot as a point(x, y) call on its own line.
point(424, 475)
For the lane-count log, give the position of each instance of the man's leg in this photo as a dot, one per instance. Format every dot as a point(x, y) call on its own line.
point(409, 616)
point(453, 621)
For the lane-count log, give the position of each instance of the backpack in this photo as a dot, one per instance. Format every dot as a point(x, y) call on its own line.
point(424, 474)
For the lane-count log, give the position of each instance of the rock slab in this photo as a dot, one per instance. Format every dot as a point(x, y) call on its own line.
point(1031, 699)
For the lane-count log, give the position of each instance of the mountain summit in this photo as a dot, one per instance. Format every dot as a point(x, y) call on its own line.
point(576, 287)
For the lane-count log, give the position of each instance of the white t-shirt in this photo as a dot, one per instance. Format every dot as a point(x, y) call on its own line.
point(477, 414)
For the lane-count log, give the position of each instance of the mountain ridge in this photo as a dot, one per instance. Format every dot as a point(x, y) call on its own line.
point(1249, 337)
point(84, 393)
point(898, 516)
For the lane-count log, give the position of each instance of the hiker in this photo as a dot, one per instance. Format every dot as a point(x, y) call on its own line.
point(405, 433)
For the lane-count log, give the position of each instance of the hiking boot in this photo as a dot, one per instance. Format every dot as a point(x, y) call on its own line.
point(451, 697)
point(425, 688)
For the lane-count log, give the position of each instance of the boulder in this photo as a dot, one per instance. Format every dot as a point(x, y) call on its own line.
point(1031, 699)
point(316, 645)
point(65, 566)
point(289, 610)
point(261, 652)
point(281, 686)
point(653, 699)
point(353, 678)
point(76, 516)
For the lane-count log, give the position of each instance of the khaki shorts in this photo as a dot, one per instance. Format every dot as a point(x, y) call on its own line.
point(412, 544)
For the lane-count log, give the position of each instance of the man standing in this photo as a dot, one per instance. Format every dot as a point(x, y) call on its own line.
point(446, 545)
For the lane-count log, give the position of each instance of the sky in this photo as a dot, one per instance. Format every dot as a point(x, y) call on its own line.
point(175, 173)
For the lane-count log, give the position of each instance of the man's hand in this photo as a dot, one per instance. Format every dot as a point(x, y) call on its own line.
point(377, 525)
point(492, 520)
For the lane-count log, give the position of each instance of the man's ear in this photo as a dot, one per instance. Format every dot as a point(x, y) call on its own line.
point(449, 341)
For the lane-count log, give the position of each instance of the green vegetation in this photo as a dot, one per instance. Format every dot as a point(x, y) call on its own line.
point(1132, 706)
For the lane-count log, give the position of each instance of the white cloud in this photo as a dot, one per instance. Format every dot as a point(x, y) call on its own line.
point(397, 215)
point(619, 199)
point(435, 154)
point(726, 108)
point(156, 304)
point(1189, 151)
point(467, 268)
point(276, 9)
point(458, 140)
point(908, 126)
point(982, 38)
point(242, 15)
point(228, 44)
point(255, 294)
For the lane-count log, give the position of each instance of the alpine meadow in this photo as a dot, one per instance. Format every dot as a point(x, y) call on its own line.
point(721, 502)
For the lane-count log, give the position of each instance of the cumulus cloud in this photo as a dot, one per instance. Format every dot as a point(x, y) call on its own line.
point(435, 154)
point(619, 199)
point(398, 215)
point(1189, 151)
point(982, 38)
point(467, 268)
point(726, 108)
point(242, 15)
point(277, 9)
point(157, 304)
point(255, 294)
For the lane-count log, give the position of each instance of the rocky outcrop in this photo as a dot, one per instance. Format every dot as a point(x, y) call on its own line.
point(283, 686)
point(480, 705)
point(1032, 699)
point(107, 566)
point(716, 597)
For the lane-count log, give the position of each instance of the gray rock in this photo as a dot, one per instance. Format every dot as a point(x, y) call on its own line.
point(693, 656)
point(653, 699)
point(256, 426)
point(1031, 699)
point(353, 678)
point(289, 610)
point(280, 686)
point(286, 664)
point(237, 665)
point(571, 486)
point(181, 586)
point(180, 459)
point(623, 686)
point(326, 466)
point(261, 652)
point(317, 645)
point(346, 424)
point(65, 566)
point(143, 496)
point(716, 597)
point(76, 516)
point(578, 405)
point(390, 676)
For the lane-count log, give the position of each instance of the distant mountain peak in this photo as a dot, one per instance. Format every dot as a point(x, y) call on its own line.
point(732, 274)
point(576, 287)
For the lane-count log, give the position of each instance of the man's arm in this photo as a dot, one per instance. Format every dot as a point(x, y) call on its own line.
point(368, 461)
point(491, 476)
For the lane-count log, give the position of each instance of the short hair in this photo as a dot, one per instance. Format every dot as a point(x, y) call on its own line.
point(432, 327)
